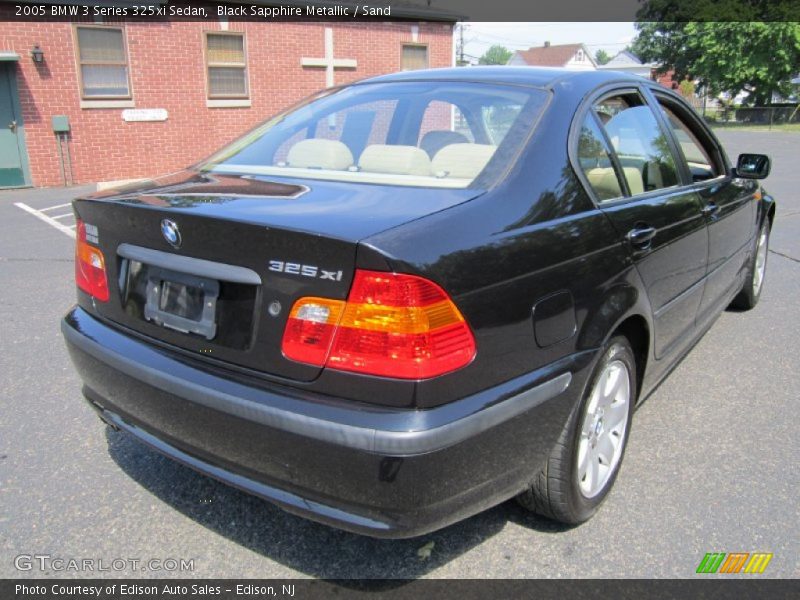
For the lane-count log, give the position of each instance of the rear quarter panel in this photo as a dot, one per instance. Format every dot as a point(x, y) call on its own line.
point(534, 235)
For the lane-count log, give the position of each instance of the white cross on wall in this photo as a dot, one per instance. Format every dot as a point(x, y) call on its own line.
point(329, 62)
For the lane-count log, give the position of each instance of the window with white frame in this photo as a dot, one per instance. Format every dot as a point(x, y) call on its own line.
point(226, 65)
point(102, 63)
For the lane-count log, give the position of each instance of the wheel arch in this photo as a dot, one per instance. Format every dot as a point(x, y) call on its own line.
point(636, 329)
point(767, 210)
point(624, 310)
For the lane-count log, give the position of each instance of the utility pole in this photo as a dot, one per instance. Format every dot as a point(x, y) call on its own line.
point(460, 61)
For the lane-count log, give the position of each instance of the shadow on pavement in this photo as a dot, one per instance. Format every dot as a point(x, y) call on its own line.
point(311, 548)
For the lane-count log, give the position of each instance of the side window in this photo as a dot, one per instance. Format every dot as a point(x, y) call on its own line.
point(700, 159)
point(595, 161)
point(639, 143)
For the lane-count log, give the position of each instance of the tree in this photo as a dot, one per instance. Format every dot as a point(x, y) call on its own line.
point(686, 88)
point(602, 57)
point(496, 55)
point(756, 57)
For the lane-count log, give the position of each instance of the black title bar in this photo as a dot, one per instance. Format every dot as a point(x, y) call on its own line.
point(422, 10)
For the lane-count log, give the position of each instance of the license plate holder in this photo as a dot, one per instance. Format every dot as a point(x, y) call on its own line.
point(182, 302)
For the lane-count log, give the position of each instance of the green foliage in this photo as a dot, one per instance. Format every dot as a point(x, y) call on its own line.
point(496, 55)
point(602, 57)
point(686, 88)
point(756, 56)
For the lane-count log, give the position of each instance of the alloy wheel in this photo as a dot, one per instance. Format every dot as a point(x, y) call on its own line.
point(761, 262)
point(602, 435)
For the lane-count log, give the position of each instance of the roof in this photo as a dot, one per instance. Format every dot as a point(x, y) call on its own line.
point(550, 56)
point(531, 76)
point(624, 59)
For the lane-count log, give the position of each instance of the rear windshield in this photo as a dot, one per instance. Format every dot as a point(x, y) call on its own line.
point(432, 134)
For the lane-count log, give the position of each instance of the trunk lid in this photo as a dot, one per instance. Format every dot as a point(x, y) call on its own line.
point(245, 249)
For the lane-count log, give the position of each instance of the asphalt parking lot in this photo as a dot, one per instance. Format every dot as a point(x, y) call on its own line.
point(712, 464)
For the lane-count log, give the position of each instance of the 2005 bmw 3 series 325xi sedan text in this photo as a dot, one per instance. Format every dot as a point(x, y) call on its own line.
point(406, 300)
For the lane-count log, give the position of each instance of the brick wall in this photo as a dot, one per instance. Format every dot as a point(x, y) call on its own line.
point(167, 71)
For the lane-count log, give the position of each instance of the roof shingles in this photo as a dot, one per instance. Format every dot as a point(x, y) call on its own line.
point(549, 56)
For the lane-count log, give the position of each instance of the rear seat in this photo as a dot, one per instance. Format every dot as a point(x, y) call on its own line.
point(435, 140)
point(456, 161)
point(604, 181)
point(320, 154)
point(462, 161)
point(395, 160)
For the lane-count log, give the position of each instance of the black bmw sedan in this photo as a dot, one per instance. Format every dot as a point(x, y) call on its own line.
point(406, 300)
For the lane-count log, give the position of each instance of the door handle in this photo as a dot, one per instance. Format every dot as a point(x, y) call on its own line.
point(641, 237)
point(710, 210)
point(12, 126)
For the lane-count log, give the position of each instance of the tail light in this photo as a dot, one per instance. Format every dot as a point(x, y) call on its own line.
point(90, 266)
point(392, 325)
point(310, 329)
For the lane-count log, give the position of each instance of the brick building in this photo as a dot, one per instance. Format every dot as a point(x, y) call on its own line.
point(145, 98)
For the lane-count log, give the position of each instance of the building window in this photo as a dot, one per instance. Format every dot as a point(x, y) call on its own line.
point(226, 65)
point(103, 63)
point(579, 57)
point(415, 56)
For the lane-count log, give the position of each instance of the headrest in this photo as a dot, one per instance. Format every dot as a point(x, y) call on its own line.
point(605, 183)
point(396, 160)
point(320, 154)
point(462, 161)
point(433, 141)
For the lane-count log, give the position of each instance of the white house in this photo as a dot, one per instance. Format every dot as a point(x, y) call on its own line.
point(629, 63)
point(569, 56)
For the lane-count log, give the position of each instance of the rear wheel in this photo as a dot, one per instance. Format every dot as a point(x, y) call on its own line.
point(584, 463)
point(754, 282)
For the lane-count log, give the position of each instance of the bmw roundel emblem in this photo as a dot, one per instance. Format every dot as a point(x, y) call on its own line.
point(171, 233)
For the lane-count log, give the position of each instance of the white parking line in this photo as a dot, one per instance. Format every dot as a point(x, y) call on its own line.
point(56, 206)
point(49, 220)
point(64, 216)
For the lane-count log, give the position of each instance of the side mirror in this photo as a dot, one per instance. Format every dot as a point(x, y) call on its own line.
point(753, 166)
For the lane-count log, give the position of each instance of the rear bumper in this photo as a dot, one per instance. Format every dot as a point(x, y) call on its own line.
point(377, 471)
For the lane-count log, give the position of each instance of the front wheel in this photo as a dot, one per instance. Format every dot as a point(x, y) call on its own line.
point(754, 281)
point(584, 463)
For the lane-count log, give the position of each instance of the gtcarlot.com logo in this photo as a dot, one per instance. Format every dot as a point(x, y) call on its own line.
point(734, 562)
point(59, 564)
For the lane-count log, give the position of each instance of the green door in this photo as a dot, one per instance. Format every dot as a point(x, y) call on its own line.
point(12, 146)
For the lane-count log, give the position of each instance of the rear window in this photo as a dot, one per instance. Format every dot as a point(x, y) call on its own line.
point(431, 134)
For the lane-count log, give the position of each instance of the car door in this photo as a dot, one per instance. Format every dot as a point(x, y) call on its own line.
point(628, 160)
point(728, 203)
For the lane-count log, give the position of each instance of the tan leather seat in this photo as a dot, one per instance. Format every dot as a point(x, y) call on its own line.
point(604, 181)
point(634, 178)
point(320, 154)
point(462, 161)
point(395, 160)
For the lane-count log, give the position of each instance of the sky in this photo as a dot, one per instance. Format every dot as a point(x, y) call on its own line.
point(611, 37)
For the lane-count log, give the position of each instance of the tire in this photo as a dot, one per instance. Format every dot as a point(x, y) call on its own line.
point(565, 491)
point(754, 281)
